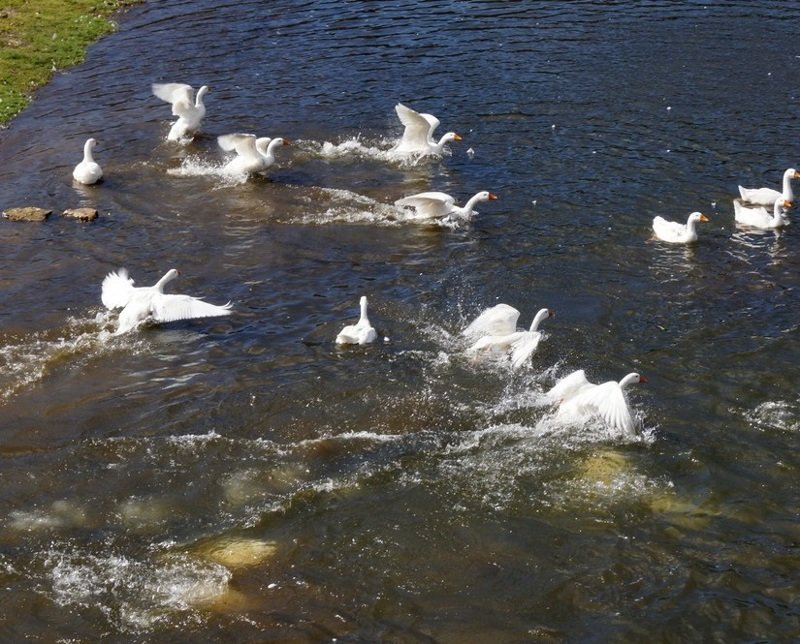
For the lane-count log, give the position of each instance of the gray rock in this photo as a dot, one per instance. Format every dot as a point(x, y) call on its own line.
point(84, 214)
point(28, 213)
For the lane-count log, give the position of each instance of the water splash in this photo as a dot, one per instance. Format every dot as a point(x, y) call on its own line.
point(28, 358)
point(136, 594)
point(378, 150)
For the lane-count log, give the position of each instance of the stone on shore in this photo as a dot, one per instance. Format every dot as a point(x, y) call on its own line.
point(28, 213)
point(83, 214)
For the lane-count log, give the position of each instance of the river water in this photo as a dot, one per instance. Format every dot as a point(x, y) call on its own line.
point(245, 479)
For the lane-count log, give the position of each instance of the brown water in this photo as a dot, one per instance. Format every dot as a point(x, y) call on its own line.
point(244, 479)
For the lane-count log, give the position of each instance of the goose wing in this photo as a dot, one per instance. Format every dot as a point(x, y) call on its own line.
point(168, 308)
point(418, 127)
point(569, 386)
point(608, 402)
point(243, 144)
point(117, 289)
point(428, 205)
point(668, 230)
point(500, 319)
point(180, 95)
point(523, 347)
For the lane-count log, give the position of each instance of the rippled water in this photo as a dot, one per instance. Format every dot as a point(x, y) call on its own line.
point(244, 478)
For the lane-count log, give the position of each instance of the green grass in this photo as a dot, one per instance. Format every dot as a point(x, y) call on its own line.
point(39, 37)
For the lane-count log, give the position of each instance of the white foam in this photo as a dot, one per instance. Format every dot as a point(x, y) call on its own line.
point(194, 166)
point(351, 207)
point(27, 359)
point(779, 414)
point(381, 149)
point(59, 514)
point(136, 594)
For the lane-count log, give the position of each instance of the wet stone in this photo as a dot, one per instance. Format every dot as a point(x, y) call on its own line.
point(28, 213)
point(83, 214)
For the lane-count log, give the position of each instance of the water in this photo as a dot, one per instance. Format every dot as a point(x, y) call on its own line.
point(243, 478)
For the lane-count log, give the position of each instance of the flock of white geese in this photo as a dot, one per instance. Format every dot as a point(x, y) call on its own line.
point(493, 333)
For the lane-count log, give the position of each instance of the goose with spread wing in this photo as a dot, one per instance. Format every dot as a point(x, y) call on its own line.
point(428, 206)
point(577, 398)
point(418, 133)
point(189, 109)
point(150, 304)
point(253, 154)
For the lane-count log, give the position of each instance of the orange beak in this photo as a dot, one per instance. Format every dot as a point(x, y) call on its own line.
point(492, 196)
point(642, 378)
point(703, 218)
point(286, 141)
point(456, 137)
point(787, 204)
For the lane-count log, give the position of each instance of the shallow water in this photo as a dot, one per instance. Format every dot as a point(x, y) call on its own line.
point(244, 478)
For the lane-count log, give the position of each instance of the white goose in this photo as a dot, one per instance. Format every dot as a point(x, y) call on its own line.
point(88, 171)
point(677, 233)
point(252, 154)
point(189, 109)
point(418, 134)
point(150, 303)
point(768, 196)
point(759, 216)
point(579, 398)
point(500, 319)
point(521, 344)
point(359, 333)
point(435, 205)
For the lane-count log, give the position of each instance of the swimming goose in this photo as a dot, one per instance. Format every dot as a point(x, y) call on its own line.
point(759, 216)
point(88, 171)
point(768, 196)
point(577, 397)
point(434, 205)
point(677, 233)
point(521, 344)
point(252, 154)
point(189, 109)
point(150, 303)
point(418, 134)
point(359, 333)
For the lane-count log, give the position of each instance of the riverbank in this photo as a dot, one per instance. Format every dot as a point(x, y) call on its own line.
point(41, 37)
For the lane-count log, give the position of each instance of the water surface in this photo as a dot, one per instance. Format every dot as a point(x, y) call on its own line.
point(243, 478)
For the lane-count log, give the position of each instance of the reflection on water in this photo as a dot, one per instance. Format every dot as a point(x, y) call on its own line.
point(244, 478)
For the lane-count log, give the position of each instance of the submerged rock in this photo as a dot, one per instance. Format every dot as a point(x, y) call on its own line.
point(236, 552)
point(27, 213)
point(83, 214)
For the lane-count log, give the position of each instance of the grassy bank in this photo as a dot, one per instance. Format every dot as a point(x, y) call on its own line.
point(39, 37)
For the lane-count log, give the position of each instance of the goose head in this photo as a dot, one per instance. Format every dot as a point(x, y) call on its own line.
point(697, 216)
point(542, 315)
point(170, 275)
point(631, 378)
point(275, 143)
point(88, 147)
point(262, 144)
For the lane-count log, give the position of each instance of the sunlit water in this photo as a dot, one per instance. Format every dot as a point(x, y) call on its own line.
point(244, 478)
